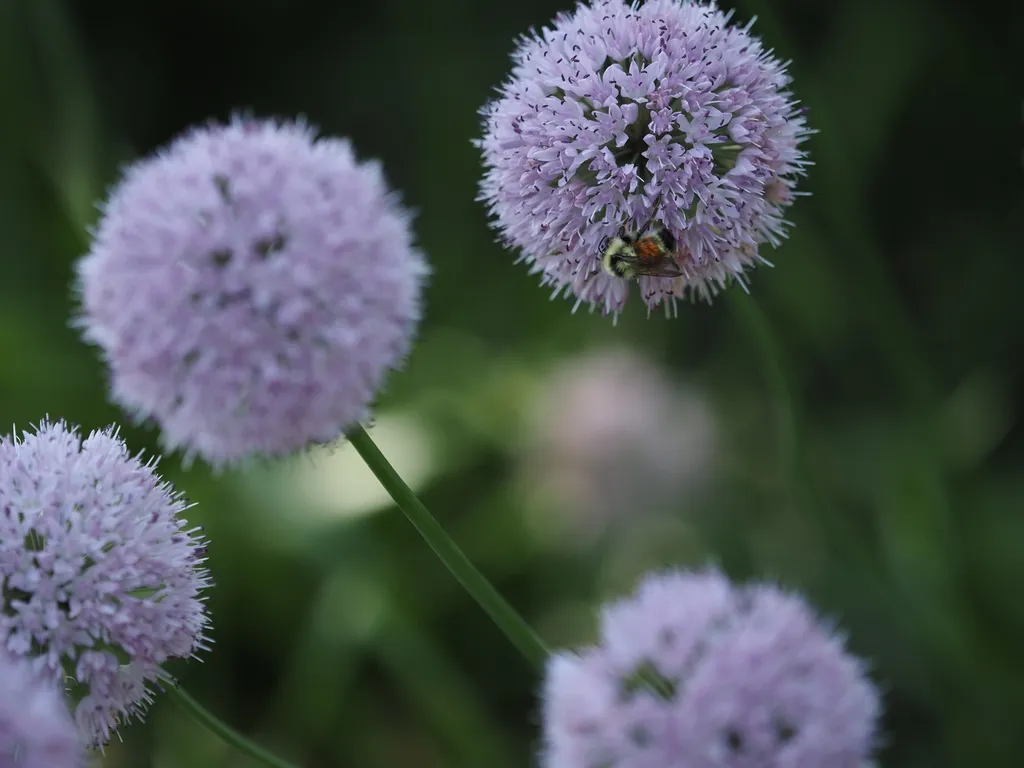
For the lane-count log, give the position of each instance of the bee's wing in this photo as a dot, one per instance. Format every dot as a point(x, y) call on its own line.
point(664, 268)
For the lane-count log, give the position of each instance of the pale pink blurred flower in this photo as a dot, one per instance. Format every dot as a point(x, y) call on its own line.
point(611, 434)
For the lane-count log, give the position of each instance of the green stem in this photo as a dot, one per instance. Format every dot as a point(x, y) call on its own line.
point(479, 588)
point(793, 454)
point(756, 325)
point(212, 723)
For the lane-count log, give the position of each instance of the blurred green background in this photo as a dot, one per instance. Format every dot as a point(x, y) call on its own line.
point(853, 428)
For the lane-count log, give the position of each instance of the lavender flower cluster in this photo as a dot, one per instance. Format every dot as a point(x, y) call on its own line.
point(36, 729)
point(618, 116)
point(102, 580)
point(251, 286)
point(695, 672)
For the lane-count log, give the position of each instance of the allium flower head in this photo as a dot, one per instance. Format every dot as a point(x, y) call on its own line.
point(101, 579)
point(747, 678)
point(623, 116)
point(36, 730)
point(251, 285)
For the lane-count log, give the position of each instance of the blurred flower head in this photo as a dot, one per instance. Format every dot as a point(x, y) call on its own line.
point(36, 730)
point(101, 580)
point(611, 434)
point(748, 678)
point(250, 286)
point(623, 115)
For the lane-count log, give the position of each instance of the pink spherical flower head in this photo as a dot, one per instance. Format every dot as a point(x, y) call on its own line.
point(36, 730)
point(694, 672)
point(638, 119)
point(102, 580)
point(250, 286)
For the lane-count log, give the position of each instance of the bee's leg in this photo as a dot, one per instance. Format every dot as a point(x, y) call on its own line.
point(647, 227)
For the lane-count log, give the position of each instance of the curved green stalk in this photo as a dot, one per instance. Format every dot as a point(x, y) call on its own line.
point(791, 446)
point(479, 588)
point(755, 324)
point(211, 722)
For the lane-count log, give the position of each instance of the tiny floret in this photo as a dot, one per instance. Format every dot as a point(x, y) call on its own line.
point(651, 142)
point(250, 286)
point(36, 730)
point(102, 580)
point(695, 672)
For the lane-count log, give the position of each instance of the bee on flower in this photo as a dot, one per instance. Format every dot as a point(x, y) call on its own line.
point(618, 113)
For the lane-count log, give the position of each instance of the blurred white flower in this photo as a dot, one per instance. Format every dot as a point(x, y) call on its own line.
point(295, 498)
point(611, 436)
point(333, 481)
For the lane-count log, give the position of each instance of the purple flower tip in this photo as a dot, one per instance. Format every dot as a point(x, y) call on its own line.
point(101, 579)
point(250, 287)
point(694, 672)
point(629, 118)
point(36, 730)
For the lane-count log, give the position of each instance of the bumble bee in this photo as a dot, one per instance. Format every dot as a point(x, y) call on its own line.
point(641, 255)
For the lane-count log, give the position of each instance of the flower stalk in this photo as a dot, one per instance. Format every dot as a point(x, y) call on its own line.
point(215, 725)
point(475, 583)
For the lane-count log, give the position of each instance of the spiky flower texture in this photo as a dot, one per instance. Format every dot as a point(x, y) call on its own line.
point(36, 730)
point(250, 286)
point(747, 678)
point(623, 115)
point(101, 579)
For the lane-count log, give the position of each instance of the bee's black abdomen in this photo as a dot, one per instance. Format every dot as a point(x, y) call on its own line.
point(668, 239)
